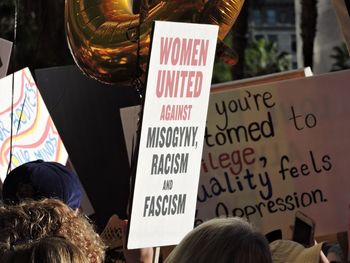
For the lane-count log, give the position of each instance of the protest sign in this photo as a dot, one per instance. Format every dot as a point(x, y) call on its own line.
point(342, 9)
point(276, 148)
point(34, 135)
point(130, 115)
point(171, 141)
point(5, 52)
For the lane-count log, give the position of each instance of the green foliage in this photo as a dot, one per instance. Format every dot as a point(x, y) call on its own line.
point(222, 71)
point(341, 56)
point(262, 57)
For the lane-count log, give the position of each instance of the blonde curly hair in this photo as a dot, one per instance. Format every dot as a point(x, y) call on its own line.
point(46, 250)
point(33, 220)
point(222, 240)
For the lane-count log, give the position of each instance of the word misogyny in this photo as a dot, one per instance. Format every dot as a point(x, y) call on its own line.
point(171, 137)
point(164, 205)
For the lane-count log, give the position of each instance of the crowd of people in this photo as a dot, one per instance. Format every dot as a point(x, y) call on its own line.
point(41, 221)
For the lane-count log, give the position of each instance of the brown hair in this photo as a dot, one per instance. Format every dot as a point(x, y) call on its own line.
point(32, 220)
point(222, 240)
point(46, 250)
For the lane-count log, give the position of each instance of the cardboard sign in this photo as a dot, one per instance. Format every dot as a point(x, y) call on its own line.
point(279, 76)
point(273, 149)
point(173, 125)
point(34, 135)
point(342, 9)
point(5, 52)
point(130, 115)
point(112, 235)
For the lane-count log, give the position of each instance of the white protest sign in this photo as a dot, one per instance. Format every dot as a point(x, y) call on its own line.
point(273, 149)
point(5, 52)
point(173, 125)
point(34, 135)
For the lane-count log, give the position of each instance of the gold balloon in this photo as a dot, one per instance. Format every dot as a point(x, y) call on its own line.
point(102, 34)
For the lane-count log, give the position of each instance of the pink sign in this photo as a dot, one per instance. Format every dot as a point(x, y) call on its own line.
point(273, 149)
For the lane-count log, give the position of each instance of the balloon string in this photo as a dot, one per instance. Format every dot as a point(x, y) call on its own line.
point(11, 129)
point(14, 47)
point(139, 85)
point(140, 89)
point(13, 82)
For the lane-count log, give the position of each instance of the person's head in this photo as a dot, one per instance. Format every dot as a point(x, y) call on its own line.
point(222, 240)
point(46, 250)
point(335, 254)
point(39, 179)
point(32, 220)
point(292, 252)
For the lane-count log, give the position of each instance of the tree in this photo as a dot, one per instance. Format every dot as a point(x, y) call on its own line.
point(262, 57)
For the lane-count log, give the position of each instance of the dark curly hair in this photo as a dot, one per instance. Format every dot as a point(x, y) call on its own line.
point(33, 220)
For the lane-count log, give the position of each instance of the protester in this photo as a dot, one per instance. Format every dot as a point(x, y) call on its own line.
point(31, 220)
point(46, 250)
point(287, 251)
point(222, 240)
point(39, 179)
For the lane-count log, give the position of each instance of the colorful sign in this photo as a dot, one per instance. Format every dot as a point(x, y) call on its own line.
point(173, 125)
point(34, 135)
point(273, 149)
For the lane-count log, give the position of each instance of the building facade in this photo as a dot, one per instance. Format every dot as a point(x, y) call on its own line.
point(275, 21)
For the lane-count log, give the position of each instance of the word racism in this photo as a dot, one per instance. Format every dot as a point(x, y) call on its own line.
point(181, 52)
point(164, 205)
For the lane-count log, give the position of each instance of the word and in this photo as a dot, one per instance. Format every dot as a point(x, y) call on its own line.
point(167, 185)
point(164, 205)
point(234, 161)
point(171, 137)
